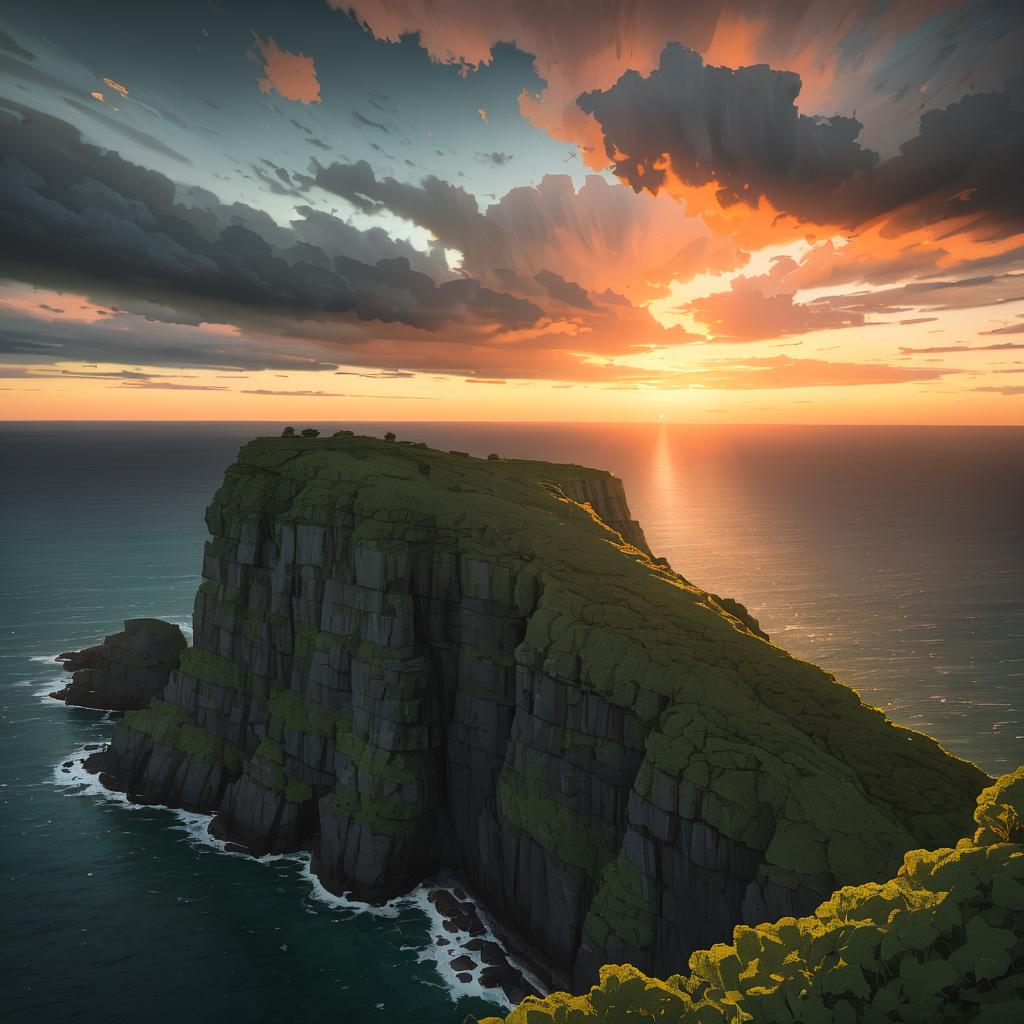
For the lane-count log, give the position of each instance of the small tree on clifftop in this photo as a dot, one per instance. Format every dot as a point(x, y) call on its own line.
point(288, 432)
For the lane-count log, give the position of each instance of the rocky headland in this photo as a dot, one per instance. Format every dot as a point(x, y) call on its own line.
point(406, 660)
point(127, 670)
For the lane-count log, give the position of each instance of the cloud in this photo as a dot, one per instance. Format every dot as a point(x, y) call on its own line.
point(291, 75)
point(331, 394)
point(1009, 389)
point(159, 385)
point(775, 372)
point(935, 349)
point(241, 291)
point(763, 307)
point(1009, 329)
point(359, 119)
point(12, 46)
point(119, 127)
point(692, 128)
point(850, 56)
point(496, 159)
point(737, 130)
point(76, 212)
point(600, 236)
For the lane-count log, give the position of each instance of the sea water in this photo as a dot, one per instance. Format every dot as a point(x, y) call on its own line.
point(894, 557)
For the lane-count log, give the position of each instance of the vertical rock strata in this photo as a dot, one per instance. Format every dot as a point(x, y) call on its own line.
point(405, 658)
point(127, 670)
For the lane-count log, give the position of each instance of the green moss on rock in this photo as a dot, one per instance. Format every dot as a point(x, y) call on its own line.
point(942, 942)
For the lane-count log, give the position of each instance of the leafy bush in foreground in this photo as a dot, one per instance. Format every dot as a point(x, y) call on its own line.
point(942, 941)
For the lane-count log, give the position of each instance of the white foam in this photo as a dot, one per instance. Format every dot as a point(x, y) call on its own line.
point(74, 778)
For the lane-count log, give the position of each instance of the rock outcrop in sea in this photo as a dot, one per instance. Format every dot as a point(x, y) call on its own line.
point(406, 659)
point(127, 670)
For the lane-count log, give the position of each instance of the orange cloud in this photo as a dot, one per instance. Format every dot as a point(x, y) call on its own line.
point(116, 86)
point(292, 75)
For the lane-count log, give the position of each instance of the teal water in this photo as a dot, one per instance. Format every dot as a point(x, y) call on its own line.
point(893, 556)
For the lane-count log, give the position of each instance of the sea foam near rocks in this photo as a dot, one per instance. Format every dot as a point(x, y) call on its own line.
point(71, 774)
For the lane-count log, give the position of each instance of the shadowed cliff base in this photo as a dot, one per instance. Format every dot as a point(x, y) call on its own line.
point(406, 659)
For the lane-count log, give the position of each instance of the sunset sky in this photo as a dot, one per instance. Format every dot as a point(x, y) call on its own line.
point(806, 212)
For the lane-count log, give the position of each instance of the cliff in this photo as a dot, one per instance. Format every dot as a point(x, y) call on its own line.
point(940, 943)
point(127, 670)
point(406, 659)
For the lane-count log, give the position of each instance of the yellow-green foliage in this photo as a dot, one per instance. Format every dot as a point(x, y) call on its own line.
point(943, 941)
point(168, 725)
point(1000, 811)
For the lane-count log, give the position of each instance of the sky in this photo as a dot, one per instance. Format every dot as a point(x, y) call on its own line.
point(321, 210)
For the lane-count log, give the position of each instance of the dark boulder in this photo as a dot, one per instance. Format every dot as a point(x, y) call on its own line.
point(125, 671)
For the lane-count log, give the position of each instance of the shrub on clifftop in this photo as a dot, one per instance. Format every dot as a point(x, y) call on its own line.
point(943, 941)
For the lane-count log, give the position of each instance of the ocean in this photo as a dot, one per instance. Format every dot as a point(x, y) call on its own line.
point(892, 556)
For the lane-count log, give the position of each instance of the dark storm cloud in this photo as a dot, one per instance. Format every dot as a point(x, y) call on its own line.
point(73, 215)
point(738, 128)
point(741, 129)
point(449, 211)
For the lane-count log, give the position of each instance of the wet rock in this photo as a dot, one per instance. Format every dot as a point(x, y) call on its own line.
point(510, 981)
point(489, 952)
point(463, 963)
point(125, 671)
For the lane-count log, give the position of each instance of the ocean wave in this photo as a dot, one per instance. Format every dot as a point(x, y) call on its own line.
point(71, 774)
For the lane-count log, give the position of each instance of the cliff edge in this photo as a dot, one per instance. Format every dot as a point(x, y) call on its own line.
point(406, 659)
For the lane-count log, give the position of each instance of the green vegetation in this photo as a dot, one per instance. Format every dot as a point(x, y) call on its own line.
point(167, 725)
point(942, 941)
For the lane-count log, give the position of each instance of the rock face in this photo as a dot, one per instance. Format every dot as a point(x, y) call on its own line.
point(405, 659)
point(127, 670)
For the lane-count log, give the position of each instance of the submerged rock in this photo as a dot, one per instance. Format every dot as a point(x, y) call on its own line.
point(406, 659)
point(127, 670)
